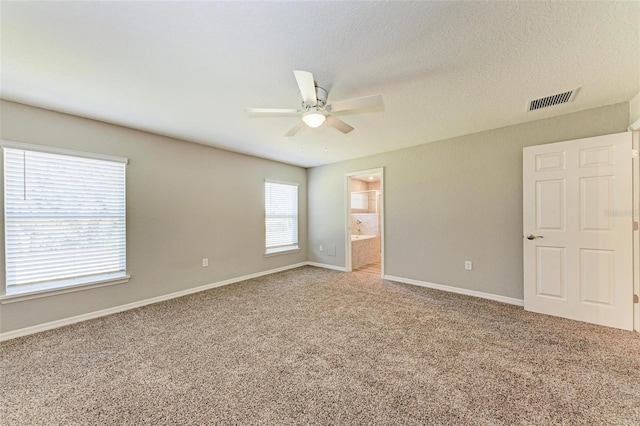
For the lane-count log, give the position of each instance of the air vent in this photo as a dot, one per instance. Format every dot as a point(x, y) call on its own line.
point(547, 101)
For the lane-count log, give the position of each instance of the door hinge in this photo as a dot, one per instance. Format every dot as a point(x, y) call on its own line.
point(635, 225)
point(635, 298)
point(634, 153)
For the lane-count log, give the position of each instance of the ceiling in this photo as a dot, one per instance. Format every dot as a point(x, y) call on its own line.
point(444, 69)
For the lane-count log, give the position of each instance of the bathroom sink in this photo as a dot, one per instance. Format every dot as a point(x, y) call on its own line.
point(361, 237)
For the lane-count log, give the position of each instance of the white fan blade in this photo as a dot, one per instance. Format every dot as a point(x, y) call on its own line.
point(271, 111)
point(338, 124)
point(355, 103)
point(294, 130)
point(307, 86)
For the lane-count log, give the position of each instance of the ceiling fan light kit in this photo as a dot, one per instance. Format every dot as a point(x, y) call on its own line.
point(315, 110)
point(313, 118)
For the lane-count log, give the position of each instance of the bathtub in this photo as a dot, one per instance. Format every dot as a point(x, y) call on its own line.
point(361, 237)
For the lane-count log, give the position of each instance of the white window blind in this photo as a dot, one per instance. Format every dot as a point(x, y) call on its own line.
point(281, 217)
point(64, 219)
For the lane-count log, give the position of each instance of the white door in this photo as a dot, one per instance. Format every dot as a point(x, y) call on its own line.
point(578, 244)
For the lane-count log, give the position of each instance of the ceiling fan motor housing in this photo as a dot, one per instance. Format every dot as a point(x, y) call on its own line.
point(321, 95)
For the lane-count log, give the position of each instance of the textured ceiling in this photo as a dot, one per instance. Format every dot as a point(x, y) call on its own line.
point(187, 69)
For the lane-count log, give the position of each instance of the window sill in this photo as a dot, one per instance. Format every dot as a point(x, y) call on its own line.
point(68, 286)
point(284, 250)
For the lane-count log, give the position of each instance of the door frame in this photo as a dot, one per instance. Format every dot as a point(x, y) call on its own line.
point(347, 215)
point(636, 234)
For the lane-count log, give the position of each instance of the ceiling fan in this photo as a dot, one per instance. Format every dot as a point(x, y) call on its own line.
point(315, 110)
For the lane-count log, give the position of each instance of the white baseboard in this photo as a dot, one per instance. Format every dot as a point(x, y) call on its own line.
point(109, 311)
point(490, 296)
point(326, 266)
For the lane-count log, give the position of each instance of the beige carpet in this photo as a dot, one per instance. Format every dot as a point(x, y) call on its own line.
point(313, 346)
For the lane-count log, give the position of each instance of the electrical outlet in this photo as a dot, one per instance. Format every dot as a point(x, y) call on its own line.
point(468, 265)
point(205, 263)
point(320, 248)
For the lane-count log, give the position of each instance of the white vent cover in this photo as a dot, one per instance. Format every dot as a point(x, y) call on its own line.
point(547, 101)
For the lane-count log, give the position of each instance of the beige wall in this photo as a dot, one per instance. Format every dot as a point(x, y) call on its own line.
point(185, 202)
point(451, 201)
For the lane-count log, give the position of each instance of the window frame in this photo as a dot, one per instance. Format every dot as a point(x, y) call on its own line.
point(54, 287)
point(293, 248)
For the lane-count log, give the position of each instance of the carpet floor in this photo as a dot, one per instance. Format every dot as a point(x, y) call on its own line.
point(314, 346)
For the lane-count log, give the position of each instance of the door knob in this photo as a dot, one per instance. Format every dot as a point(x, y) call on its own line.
point(533, 237)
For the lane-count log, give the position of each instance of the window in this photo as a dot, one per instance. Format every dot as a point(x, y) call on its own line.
point(64, 219)
point(281, 217)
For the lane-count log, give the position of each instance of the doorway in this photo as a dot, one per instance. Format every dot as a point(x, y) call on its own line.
point(364, 221)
